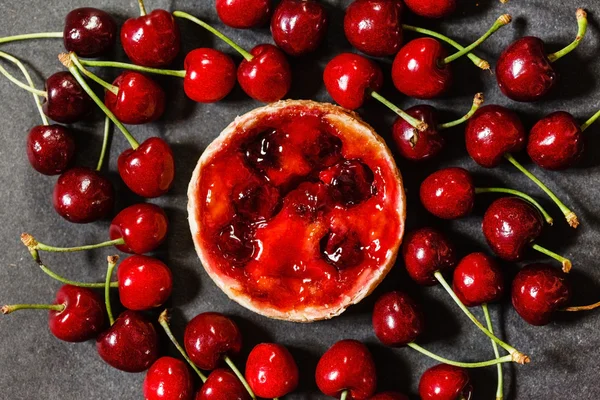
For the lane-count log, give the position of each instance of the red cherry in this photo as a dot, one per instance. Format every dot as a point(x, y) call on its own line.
point(347, 366)
point(374, 27)
point(448, 193)
point(397, 319)
point(267, 77)
point(234, 242)
point(350, 182)
point(243, 14)
point(271, 371)
point(144, 283)
point(143, 227)
point(348, 76)
point(255, 200)
point(445, 382)
point(299, 26)
point(389, 396)
point(50, 149)
point(431, 8)
point(478, 280)
point(66, 101)
point(89, 32)
point(415, 145)
point(209, 75)
point(140, 100)
point(222, 384)
point(538, 291)
point(168, 379)
point(82, 318)
point(151, 40)
point(426, 251)
point(148, 170)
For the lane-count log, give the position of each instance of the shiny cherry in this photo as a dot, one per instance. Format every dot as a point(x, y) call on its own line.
point(299, 26)
point(431, 8)
point(243, 14)
point(418, 145)
point(271, 371)
point(142, 226)
point(267, 77)
point(397, 319)
point(389, 396)
point(445, 382)
point(66, 101)
point(426, 251)
point(140, 100)
point(222, 384)
point(82, 318)
point(168, 379)
point(209, 75)
point(448, 193)
point(89, 32)
point(144, 283)
point(50, 149)
point(478, 280)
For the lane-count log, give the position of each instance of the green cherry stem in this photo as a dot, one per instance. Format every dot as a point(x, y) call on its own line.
point(105, 140)
point(15, 307)
point(112, 262)
point(477, 102)
point(240, 376)
point(566, 263)
point(22, 85)
point(525, 196)
point(133, 67)
point(111, 88)
point(32, 244)
point(590, 121)
point(27, 36)
point(497, 360)
point(582, 23)
point(417, 124)
point(344, 395)
point(488, 321)
point(142, 7)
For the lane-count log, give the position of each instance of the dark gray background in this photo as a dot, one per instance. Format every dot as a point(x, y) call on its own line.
point(565, 362)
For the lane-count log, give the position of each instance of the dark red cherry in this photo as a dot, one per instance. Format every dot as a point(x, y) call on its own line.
point(264, 151)
point(492, 132)
point(555, 142)
point(209, 75)
point(82, 195)
point(431, 8)
point(389, 396)
point(347, 365)
point(426, 251)
point(50, 149)
point(243, 14)
point(374, 27)
point(271, 371)
point(66, 101)
point(235, 242)
point(222, 384)
point(89, 32)
point(445, 382)
point(418, 145)
point(255, 200)
point(342, 248)
point(324, 151)
point(151, 40)
point(347, 78)
point(397, 319)
point(478, 280)
point(350, 182)
point(309, 200)
point(538, 291)
point(130, 344)
point(210, 336)
point(268, 76)
point(299, 26)
point(417, 70)
point(144, 283)
point(448, 193)
point(140, 100)
point(143, 227)
point(168, 379)
point(148, 170)
point(82, 318)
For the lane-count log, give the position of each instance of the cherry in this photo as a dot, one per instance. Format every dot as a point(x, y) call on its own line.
point(342, 248)
point(324, 151)
point(397, 319)
point(350, 182)
point(299, 26)
point(50, 149)
point(255, 200)
point(271, 371)
point(524, 70)
point(309, 200)
point(139, 99)
point(89, 32)
point(243, 14)
point(66, 101)
point(222, 384)
point(431, 8)
point(347, 367)
point(144, 283)
point(209, 75)
point(374, 27)
point(448, 193)
point(264, 151)
point(234, 242)
point(426, 251)
point(266, 76)
point(445, 382)
point(389, 396)
point(143, 227)
point(478, 280)
point(168, 379)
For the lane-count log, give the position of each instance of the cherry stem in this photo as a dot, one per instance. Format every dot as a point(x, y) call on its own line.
point(488, 321)
point(236, 47)
point(16, 307)
point(566, 263)
point(27, 36)
point(582, 308)
point(569, 215)
point(590, 121)
point(240, 376)
point(68, 61)
point(417, 124)
point(516, 355)
point(163, 320)
point(33, 244)
point(344, 395)
point(133, 67)
point(499, 23)
point(476, 60)
point(142, 7)
point(112, 262)
point(22, 85)
point(111, 88)
point(477, 102)
point(525, 196)
point(104, 143)
point(582, 23)
point(497, 360)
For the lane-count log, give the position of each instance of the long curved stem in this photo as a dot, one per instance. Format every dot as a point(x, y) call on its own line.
point(582, 308)
point(33, 244)
point(104, 143)
point(581, 30)
point(133, 67)
point(497, 360)
point(240, 376)
point(477, 102)
point(27, 36)
point(112, 262)
point(111, 88)
point(590, 121)
point(417, 124)
point(566, 263)
point(22, 85)
point(15, 307)
point(525, 196)
point(488, 321)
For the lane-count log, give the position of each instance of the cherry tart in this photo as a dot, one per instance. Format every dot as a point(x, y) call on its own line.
point(297, 210)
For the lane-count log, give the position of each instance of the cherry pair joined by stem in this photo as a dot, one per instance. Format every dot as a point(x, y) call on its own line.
point(299, 26)
point(271, 371)
point(445, 382)
point(168, 379)
point(431, 8)
point(243, 14)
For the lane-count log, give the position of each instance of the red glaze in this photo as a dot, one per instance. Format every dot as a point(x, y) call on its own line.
point(148, 170)
point(271, 371)
point(445, 382)
point(448, 193)
point(66, 101)
point(347, 365)
point(492, 132)
point(151, 40)
point(168, 379)
point(417, 70)
point(89, 32)
point(431, 8)
point(374, 27)
point(140, 100)
point(243, 14)
point(415, 145)
point(209, 75)
point(510, 225)
point(130, 344)
point(523, 70)
point(348, 76)
point(299, 26)
point(426, 251)
point(50, 149)
point(210, 336)
point(478, 280)
point(222, 384)
point(82, 195)
point(82, 318)
point(397, 319)
point(389, 396)
point(144, 283)
point(555, 142)
point(268, 76)
point(538, 291)
point(143, 226)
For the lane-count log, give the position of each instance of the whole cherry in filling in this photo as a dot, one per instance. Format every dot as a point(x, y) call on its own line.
point(243, 14)
point(426, 251)
point(168, 378)
point(445, 382)
point(478, 280)
point(50, 149)
point(299, 26)
point(431, 8)
point(144, 282)
point(89, 32)
point(222, 384)
point(271, 371)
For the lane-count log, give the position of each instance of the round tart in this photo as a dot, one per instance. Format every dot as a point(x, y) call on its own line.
point(297, 210)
